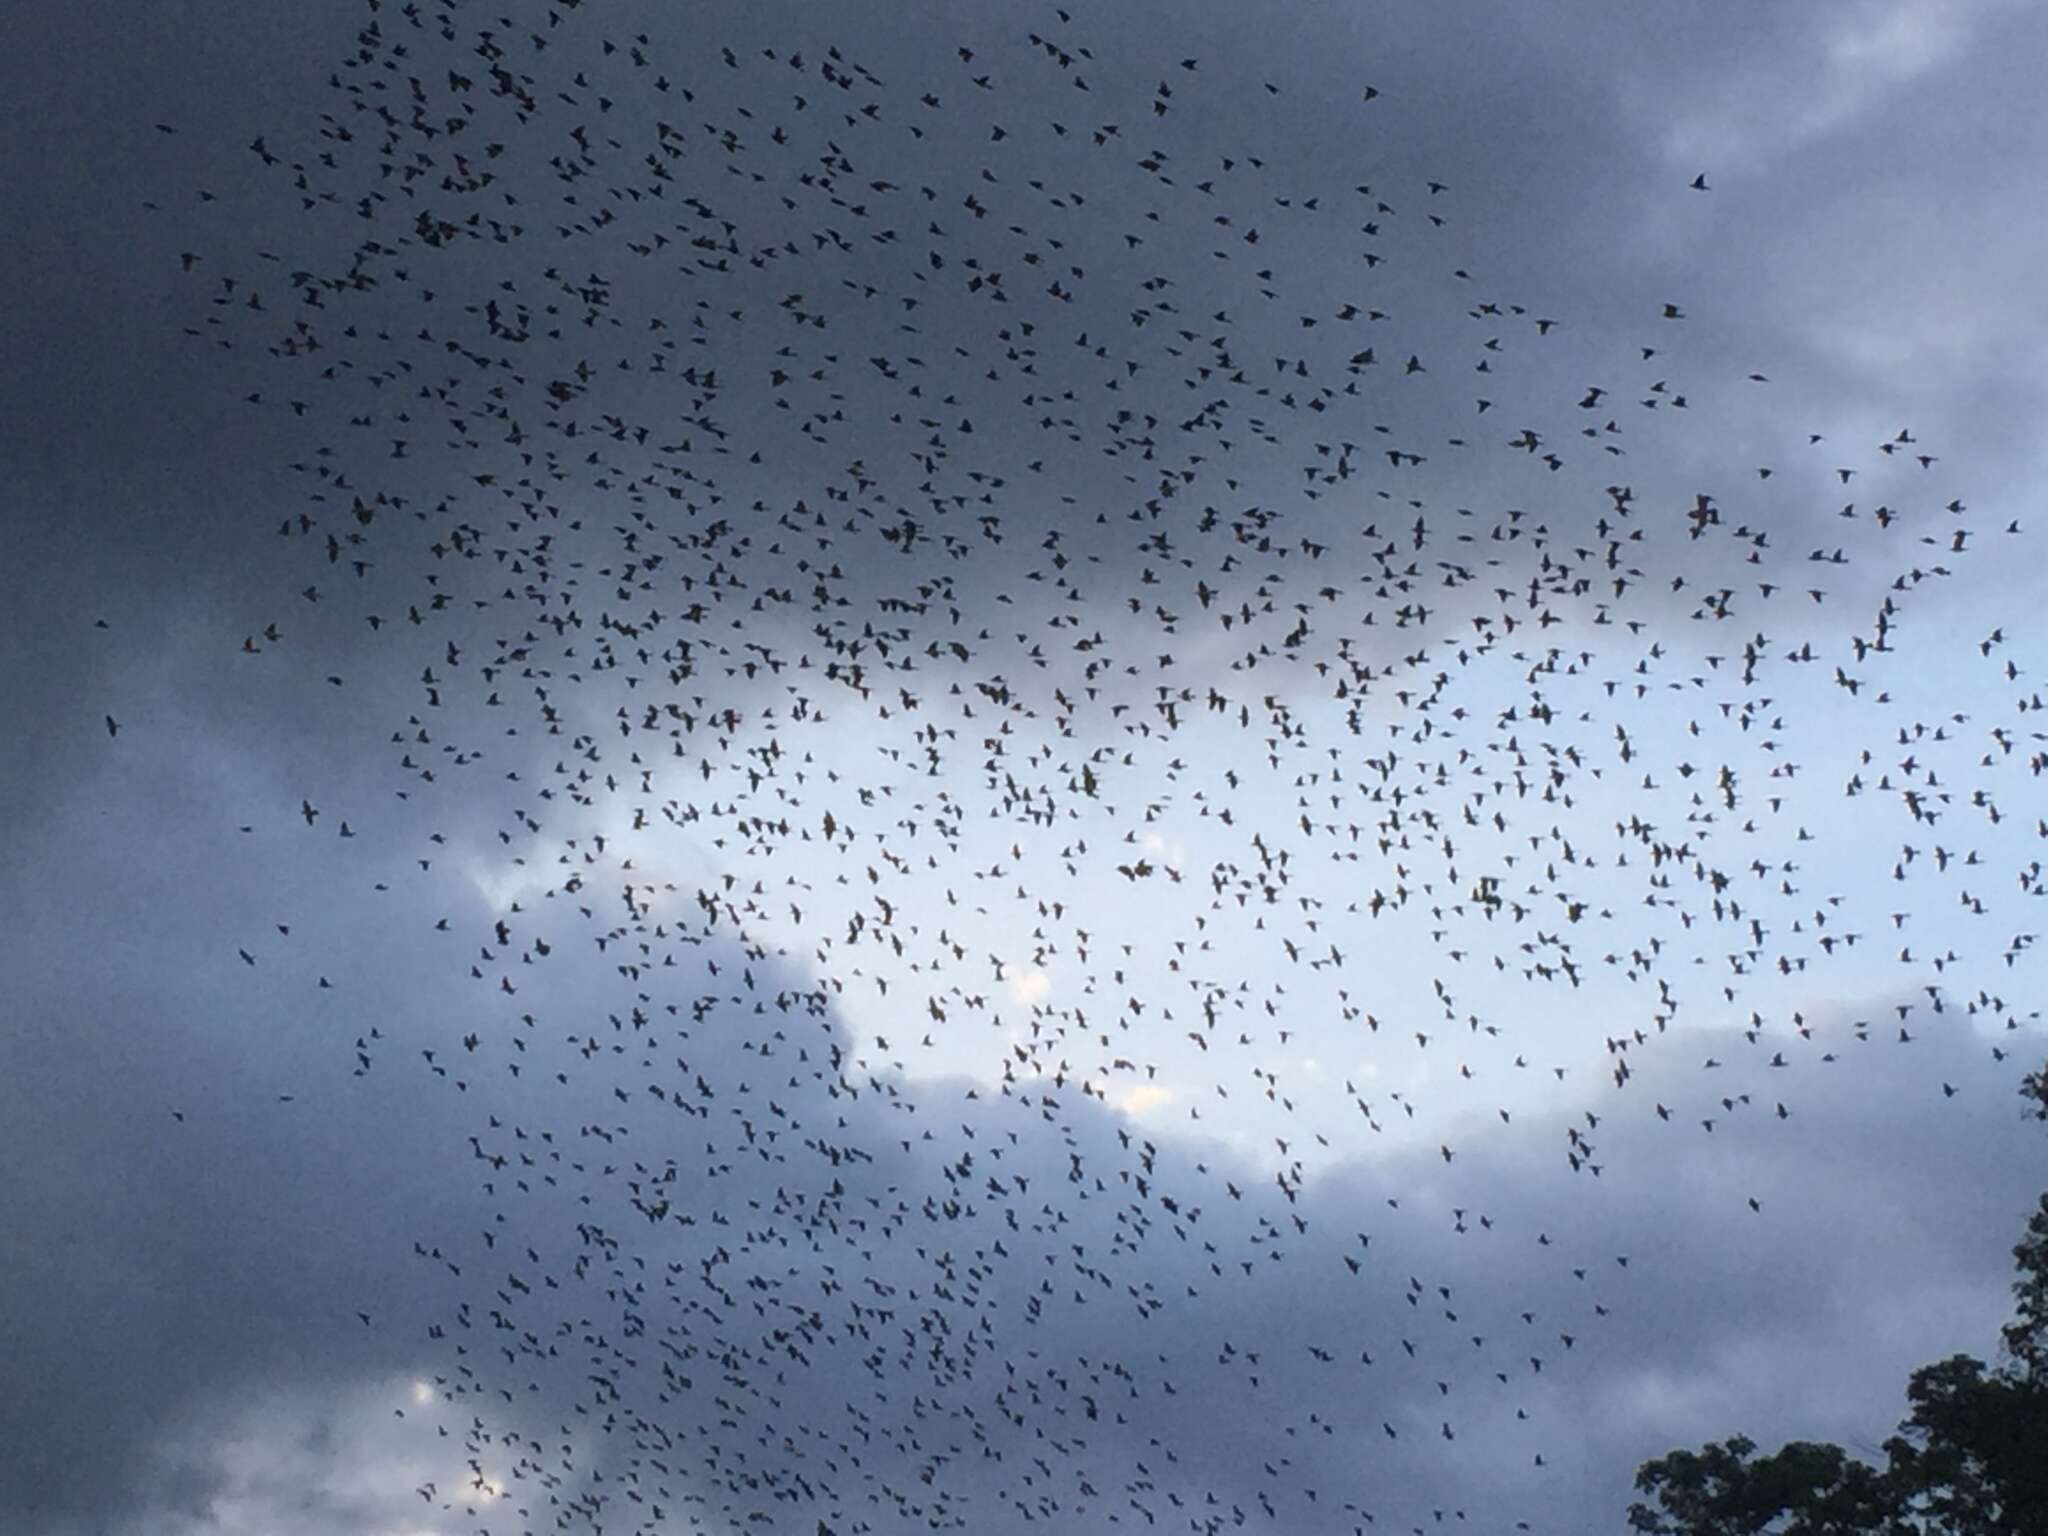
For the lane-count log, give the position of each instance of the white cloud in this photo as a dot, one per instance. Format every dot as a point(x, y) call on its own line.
point(1028, 986)
point(1838, 64)
point(1136, 1100)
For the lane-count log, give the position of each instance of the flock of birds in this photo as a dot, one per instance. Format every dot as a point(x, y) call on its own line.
point(1014, 698)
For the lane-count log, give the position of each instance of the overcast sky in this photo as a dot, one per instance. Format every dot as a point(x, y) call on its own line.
point(851, 768)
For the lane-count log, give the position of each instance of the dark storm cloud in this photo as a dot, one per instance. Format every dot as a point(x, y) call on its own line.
point(1694, 1303)
point(182, 1234)
point(1489, 89)
point(206, 1306)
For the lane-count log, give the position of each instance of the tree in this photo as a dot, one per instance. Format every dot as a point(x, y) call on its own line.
point(1804, 1489)
point(1970, 1458)
point(2026, 1336)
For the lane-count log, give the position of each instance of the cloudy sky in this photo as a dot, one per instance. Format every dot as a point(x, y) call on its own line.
point(843, 768)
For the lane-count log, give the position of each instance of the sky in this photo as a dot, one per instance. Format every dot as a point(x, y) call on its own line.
point(862, 768)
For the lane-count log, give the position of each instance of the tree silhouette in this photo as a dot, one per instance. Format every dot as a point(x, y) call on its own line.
point(1804, 1489)
point(1970, 1458)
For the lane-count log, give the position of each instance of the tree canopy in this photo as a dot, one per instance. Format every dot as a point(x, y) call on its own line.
point(1969, 1459)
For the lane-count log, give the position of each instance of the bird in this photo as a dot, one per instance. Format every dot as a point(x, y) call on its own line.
point(850, 539)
